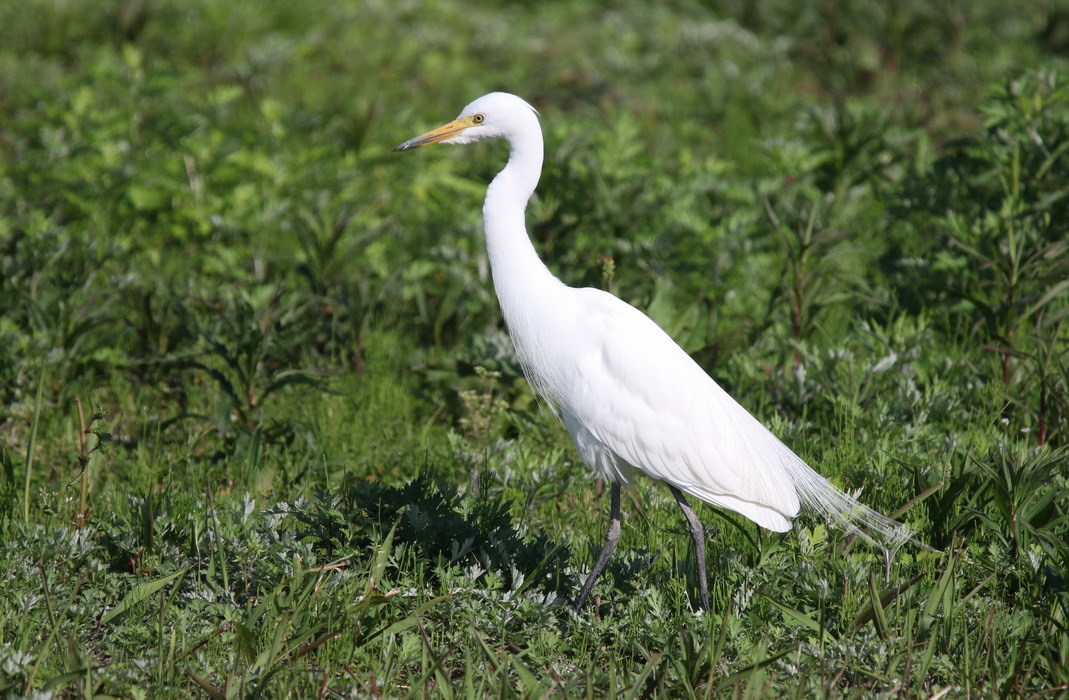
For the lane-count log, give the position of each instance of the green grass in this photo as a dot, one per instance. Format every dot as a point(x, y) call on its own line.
point(264, 432)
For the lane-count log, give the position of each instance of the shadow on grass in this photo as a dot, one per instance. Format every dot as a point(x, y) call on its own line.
point(438, 524)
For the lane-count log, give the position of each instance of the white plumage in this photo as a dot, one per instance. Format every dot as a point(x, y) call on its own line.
point(632, 399)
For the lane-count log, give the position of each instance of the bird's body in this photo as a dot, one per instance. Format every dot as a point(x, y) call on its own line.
point(633, 403)
point(631, 397)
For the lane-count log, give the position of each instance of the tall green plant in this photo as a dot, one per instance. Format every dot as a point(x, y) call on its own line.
point(998, 260)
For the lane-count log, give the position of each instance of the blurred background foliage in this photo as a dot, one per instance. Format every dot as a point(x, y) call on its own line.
point(852, 213)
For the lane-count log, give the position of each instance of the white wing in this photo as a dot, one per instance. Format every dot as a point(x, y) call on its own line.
point(634, 393)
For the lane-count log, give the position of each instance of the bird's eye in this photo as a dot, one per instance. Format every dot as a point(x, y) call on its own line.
point(478, 118)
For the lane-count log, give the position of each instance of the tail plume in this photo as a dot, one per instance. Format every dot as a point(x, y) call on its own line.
point(847, 512)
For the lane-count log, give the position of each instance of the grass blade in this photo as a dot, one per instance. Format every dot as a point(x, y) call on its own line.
point(139, 594)
point(31, 445)
point(796, 615)
point(878, 614)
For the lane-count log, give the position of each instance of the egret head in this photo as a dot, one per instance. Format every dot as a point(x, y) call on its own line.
point(493, 116)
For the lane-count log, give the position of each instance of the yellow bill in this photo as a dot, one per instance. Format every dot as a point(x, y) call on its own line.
point(442, 133)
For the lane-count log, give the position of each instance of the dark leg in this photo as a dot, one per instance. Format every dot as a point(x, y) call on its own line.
point(611, 538)
point(697, 533)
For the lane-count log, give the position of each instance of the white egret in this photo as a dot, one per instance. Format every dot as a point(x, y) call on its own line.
point(632, 399)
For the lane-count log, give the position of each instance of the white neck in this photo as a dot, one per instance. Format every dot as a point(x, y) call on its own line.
point(519, 275)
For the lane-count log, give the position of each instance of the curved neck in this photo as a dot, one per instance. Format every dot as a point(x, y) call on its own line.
point(516, 267)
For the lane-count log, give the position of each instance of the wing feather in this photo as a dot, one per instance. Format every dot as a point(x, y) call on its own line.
point(639, 397)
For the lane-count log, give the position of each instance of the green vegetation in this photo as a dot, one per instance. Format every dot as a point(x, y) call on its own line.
point(264, 434)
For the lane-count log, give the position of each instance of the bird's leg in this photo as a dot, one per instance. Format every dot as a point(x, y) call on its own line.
point(611, 538)
point(697, 532)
